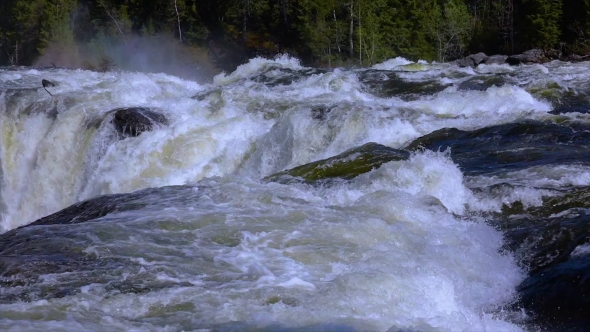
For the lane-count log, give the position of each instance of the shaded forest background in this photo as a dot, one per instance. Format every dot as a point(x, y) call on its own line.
point(172, 35)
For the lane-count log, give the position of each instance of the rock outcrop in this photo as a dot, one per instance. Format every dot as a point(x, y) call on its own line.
point(530, 56)
point(346, 165)
point(527, 57)
point(132, 121)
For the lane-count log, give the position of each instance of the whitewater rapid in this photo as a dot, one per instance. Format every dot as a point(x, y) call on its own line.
point(404, 246)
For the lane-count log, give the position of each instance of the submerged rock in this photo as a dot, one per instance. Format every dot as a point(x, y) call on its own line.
point(481, 83)
point(510, 146)
point(387, 84)
point(133, 121)
point(65, 244)
point(346, 165)
point(321, 112)
point(552, 243)
point(559, 296)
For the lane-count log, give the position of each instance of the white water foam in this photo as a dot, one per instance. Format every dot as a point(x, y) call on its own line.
point(240, 126)
point(375, 253)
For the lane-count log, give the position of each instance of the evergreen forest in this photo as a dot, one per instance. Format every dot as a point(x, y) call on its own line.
point(94, 33)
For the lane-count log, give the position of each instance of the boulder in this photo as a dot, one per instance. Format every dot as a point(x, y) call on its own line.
point(132, 121)
point(559, 297)
point(531, 56)
point(47, 83)
point(464, 62)
point(553, 54)
point(472, 60)
point(346, 165)
point(321, 112)
point(481, 83)
point(576, 58)
point(478, 58)
point(496, 59)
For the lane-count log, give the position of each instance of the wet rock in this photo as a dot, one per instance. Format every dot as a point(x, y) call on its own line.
point(559, 297)
point(478, 58)
point(496, 59)
point(530, 56)
point(133, 121)
point(472, 60)
point(544, 242)
point(464, 62)
point(553, 54)
point(511, 146)
point(346, 165)
point(47, 83)
point(206, 93)
point(481, 83)
point(576, 58)
point(565, 109)
point(388, 84)
point(321, 112)
point(83, 211)
point(59, 245)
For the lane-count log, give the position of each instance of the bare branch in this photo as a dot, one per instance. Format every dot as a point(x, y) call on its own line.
point(178, 17)
point(114, 21)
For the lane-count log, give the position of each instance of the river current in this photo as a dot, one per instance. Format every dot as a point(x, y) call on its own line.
point(483, 226)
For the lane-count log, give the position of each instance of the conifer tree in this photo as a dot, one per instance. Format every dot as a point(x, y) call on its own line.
point(543, 19)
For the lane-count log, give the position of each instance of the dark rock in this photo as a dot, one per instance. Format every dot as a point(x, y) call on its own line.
point(206, 93)
point(510, 146)
point(550, 242)
point(464, 62)
point(132, 121)
point(496, 59)
point(542, 239)
point(576, 108)
point(481, 83)
point(387, 84)
point(530, 56)
point(559, 297)
point(478, 58)
point(83, 211)
point(553, 54)
point(576, 58)
point(321, 112)
point(346, 165)
point(47, 83)
point(471, 60)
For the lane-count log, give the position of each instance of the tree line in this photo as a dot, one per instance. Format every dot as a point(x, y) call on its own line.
point(320, 32)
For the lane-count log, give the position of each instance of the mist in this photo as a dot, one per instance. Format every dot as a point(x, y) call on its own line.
point(160, 53)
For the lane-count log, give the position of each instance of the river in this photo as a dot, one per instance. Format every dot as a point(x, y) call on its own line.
point(184, 227)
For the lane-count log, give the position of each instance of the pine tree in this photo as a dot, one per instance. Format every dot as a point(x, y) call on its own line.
point(543, 19)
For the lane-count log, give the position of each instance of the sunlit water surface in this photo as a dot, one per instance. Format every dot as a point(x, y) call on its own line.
point(204, 243)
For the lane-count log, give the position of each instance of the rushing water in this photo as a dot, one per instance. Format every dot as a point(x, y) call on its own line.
point(192, 234)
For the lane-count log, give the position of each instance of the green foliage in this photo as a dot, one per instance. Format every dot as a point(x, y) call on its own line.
point(320, 32)
point(451, 29)
point(543, 22)
point(381, 34)
point(575, 25)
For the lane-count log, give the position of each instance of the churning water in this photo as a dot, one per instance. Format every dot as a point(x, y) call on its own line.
point(183, 229)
